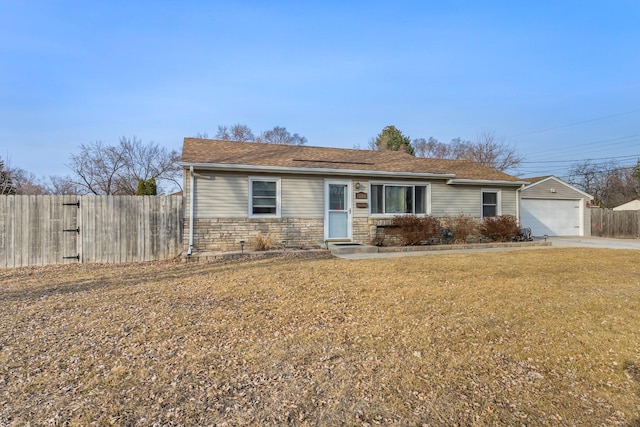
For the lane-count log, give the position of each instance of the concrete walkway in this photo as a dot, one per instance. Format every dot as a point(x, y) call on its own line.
point(556, 242)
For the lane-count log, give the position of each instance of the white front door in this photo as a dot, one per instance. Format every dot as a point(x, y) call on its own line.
point(337, 218)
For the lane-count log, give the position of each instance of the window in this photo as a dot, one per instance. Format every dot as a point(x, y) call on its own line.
point(264, 197)
point(398, 199)
point(490, 203)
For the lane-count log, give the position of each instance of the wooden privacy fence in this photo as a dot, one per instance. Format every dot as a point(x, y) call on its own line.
point(620, 224)
point(41, 230)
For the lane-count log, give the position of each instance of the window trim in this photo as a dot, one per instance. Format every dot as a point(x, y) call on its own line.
point(277, 180)
point(400, 184)
point(498, 193)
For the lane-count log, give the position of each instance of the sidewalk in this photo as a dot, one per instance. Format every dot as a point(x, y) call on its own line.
point(539, 243)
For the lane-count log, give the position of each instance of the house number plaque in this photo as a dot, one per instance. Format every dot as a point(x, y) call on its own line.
point(361, 195)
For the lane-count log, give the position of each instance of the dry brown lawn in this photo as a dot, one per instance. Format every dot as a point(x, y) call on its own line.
point(535, 337)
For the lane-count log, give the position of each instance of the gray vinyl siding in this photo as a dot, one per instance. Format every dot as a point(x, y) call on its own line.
point(219, 196)
point(226, 195)
point(449, 200)
point(509, 201)
point(453, 200)
point(302, 197)
point(542, 190)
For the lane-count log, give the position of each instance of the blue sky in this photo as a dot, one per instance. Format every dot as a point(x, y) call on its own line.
point(560, 80)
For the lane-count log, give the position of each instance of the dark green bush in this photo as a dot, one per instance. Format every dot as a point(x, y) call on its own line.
point(416, 230)
point(500, 228)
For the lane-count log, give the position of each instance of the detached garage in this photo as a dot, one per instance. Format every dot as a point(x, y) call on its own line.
point(553, 207)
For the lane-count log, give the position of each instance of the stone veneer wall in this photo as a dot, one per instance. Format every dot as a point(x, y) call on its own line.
point(225, 234)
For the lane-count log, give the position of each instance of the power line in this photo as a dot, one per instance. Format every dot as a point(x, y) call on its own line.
point(580, 147)
point(632, 156)
point(575, 123)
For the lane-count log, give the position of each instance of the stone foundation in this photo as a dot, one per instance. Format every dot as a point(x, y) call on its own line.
point(225, 234)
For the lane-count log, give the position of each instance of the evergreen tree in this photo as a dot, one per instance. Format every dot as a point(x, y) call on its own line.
point(147, 187)
point(152, 188)
point(392, 139)
point(142, 188)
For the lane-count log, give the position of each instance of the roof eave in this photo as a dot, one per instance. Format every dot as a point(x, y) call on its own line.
point(460, 181)
point(312, 171)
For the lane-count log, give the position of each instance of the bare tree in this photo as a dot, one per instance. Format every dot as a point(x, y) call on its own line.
point(113, 170)
point(620, 187)
point(146, 161)
point(493, 151)
point(26, 183)
point(280, 135)
point(431, 148)
point(6, 182)
point(237, 132)
point(609, 183)
point(488, 150)
point(98, 167)
point(62, 185)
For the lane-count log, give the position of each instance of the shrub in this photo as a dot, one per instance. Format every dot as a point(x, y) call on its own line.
point(500, 228)
point(462, 226)
point(262, 242)
point(378, 239)
point(414, 230)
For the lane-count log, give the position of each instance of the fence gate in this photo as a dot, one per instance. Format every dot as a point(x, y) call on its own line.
point(71, 229)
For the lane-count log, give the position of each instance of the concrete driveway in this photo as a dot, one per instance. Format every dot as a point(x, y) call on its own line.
point(593, 242)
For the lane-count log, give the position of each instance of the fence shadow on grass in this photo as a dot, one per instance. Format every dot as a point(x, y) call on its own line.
point(127, 275)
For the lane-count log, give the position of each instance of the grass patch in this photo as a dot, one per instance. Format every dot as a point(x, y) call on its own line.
point(536, 337)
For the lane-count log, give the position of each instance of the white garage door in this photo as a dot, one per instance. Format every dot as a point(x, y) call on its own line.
point(551, 217)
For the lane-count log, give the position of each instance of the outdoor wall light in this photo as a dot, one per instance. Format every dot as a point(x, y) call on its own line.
point(242, 246)
point(357, 185)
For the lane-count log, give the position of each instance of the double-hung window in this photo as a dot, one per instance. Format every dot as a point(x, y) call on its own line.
point(399, 199)
point(264, 197)
point(490, 203)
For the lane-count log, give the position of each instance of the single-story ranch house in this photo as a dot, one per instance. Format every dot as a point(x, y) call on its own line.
point(307, 196)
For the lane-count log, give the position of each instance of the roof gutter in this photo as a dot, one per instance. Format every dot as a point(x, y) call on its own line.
point(313, 171)
point(457, 181)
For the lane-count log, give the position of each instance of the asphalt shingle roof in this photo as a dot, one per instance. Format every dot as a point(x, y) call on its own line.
point(210, 151)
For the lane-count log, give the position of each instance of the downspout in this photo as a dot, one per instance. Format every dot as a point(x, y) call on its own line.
point(191, 203)
point(518, 203)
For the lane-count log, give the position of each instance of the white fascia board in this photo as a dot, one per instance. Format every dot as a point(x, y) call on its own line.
point(313, 171)
point(486, 182)
point(561, 182)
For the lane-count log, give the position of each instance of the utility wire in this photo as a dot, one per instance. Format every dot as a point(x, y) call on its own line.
point(632, 156)
point(575, 123)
